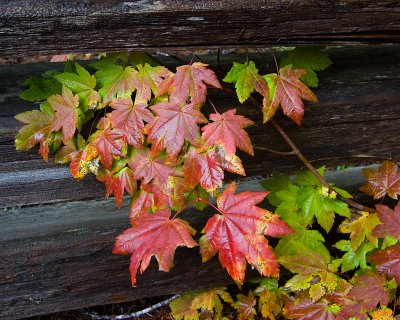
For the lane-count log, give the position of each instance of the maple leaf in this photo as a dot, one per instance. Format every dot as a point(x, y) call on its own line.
point(203, 168)
point(227, 129)
point(108, 142)
point(245, 306)
point(66, 113)
point(384, 181)
point(229, 162)
point(353, 258)
point(175, 122)
point(309, 59)
point(303, 308)
point(287, 91)
point(382, 314)
point(387, 261)
point(130, 119)
point(41, 87)
point(360, 229)
point(246, 79)
point(313, 272)
point(79, 81)
point(236, 234)
point(269, 303)
point(390, 219)
point(149, 78)
point(154, 234)
point(189, 81)
point(187, 306)
point(82, 160)
point(369, 290)
point(37, 130)
point(117, 183)
point(147, 166)
point(150, 198)
point(116, 81)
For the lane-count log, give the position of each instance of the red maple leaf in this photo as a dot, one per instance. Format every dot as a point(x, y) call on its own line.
point(130, 119)
point(236, 233)
point(150, 198)
point(118, 183)
point(189, 81)
point(65, 107)
point(174, 123)
point(226, 129)
point(154, 234)
point(108, 142)
point(304, 308)
point(390, 219)
point(369, 290)
point(203, 168)
point(384, 181)
point(388, 262)
point(148, 166)
point(288, 91)
point(229, 162)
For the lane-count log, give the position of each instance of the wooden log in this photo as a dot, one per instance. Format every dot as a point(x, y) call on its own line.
point(30, 27)
point(58, 257)
point(358, 114)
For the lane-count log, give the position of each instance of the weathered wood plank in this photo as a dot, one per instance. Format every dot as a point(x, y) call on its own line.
point(58, 257)
point(56, 27)
point(358, 113)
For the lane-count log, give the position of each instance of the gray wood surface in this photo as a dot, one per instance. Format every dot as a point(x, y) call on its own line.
point(30, 27)
point(358, 114)
point(58, 257)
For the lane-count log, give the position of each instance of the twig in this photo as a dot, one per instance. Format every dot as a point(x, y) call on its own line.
point(314, 171)
point(95, 316)
point(303, 159)
point(281, 153)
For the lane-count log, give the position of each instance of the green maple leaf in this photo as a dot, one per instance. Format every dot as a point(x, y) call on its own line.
point(246, 79)
point(353, 259)
point(307, 240)
point(81, 83)
point(310, 59)
point(42, 87)
point(115, 80)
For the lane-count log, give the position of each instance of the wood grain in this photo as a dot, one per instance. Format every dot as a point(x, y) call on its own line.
point(358, 114)
point(31, 27)
point(58, 257)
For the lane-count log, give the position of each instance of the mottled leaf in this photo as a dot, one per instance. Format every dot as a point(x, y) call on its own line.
point(384, 181)
point(286, 90)
point(66, 113)
point(361, 229)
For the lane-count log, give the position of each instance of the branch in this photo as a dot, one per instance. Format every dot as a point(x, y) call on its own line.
point(303, 159)
point(95, 316)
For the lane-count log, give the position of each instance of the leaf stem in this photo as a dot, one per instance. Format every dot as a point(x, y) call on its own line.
point(210, 204)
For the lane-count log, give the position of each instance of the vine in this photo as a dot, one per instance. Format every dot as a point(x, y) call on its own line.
point(139, 128)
